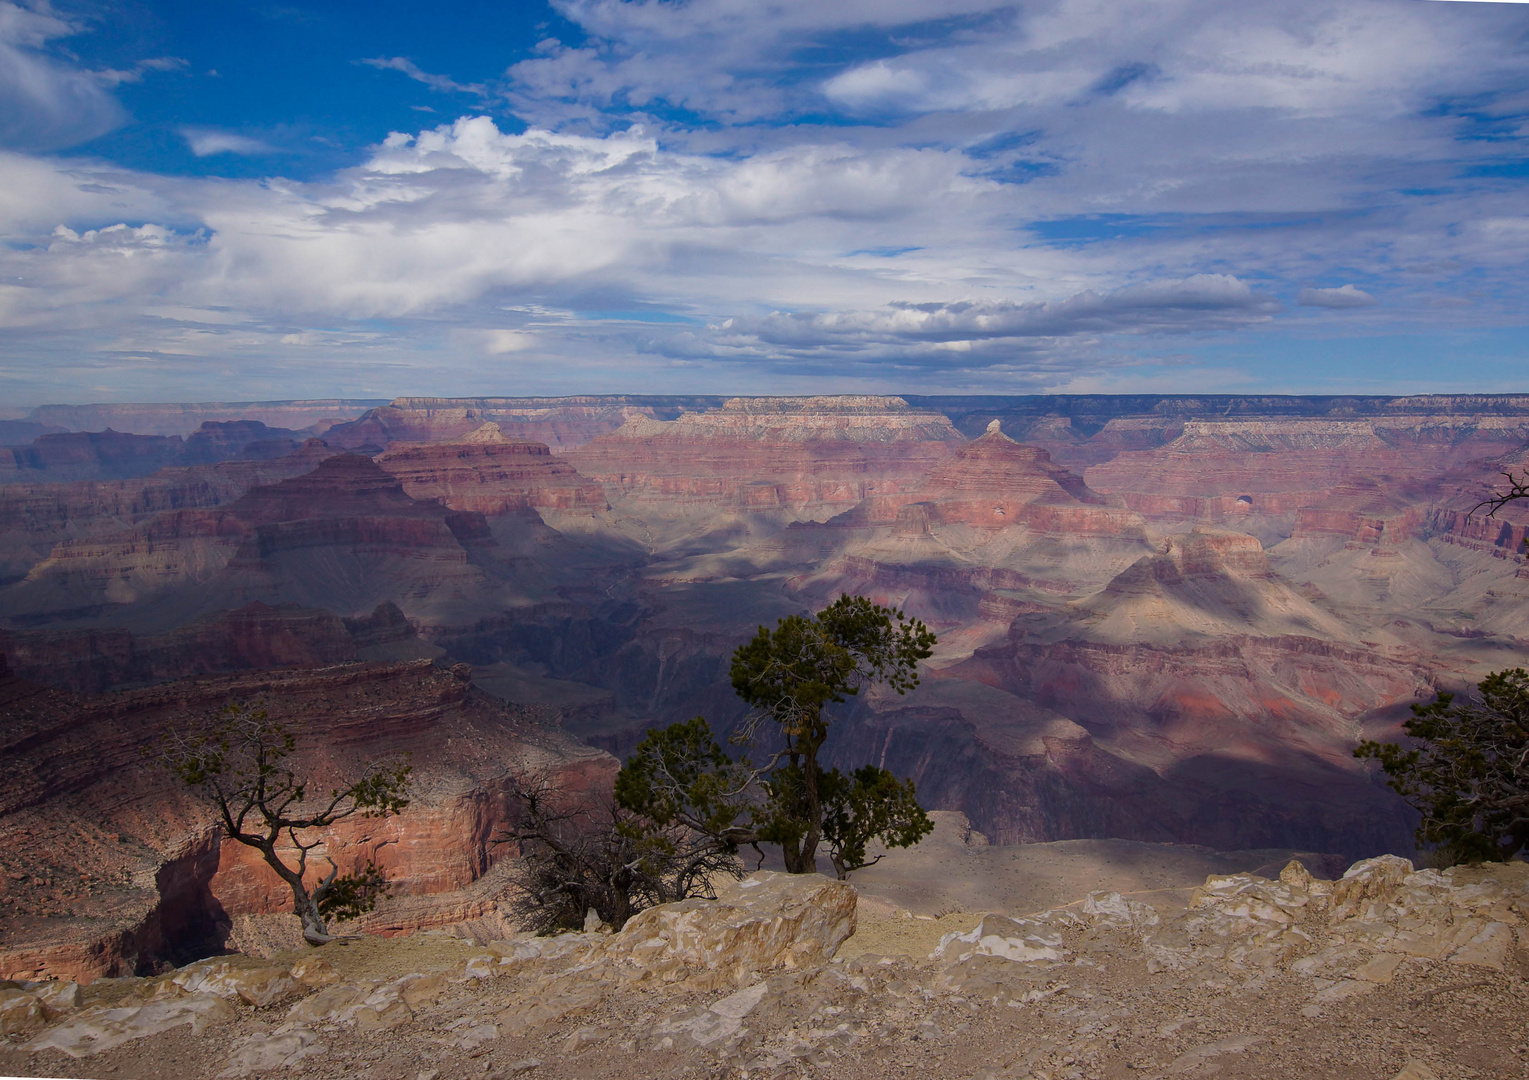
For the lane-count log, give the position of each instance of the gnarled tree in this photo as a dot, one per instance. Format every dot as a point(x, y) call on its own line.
point(240, 765)
point(792, 673)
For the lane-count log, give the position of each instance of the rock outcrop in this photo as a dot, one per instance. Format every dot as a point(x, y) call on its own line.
point(489, 473)
point(1254, 977)
point(36, 516)
point(344, 536)
point(116, 455)
point(560, 423)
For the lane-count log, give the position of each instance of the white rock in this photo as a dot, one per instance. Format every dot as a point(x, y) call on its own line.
point(279, 1049)
point(763, 922)
point(258, 986)
point(96, 1030)
point(19, 1011)
point(1489, 948)
point(1021, 940)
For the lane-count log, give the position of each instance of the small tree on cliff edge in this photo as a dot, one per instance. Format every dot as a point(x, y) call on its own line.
point(680, 776)
point(1467, 771)
point(790, 674)
point(260, 801)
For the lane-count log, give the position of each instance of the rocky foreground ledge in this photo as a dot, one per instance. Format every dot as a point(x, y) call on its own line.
point(1388, 972)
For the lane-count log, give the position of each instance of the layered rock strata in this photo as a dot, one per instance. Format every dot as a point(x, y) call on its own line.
point(344, 536)
point(116, 455)
point(772, 453)
point(489, 473)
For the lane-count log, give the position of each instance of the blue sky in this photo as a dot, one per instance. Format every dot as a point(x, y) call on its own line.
point(234, 200)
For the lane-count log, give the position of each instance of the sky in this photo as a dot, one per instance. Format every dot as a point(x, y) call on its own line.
point(224, 200)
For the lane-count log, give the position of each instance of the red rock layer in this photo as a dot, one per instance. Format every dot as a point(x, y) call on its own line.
point(492, 475)
point(1221, 470)
point(108, 865)
point(346, 529)
point(773, 453)
point(108, 455)
point(256, 636)
point(1231, 744)
point(994, 482)
point(35, 516)
point(561, 424)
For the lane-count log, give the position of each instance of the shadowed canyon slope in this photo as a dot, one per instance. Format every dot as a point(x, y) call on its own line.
point(1159, 618)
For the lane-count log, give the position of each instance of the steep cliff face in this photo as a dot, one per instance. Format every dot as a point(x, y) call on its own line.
point(560, 423)
point(256, 636)
point(799, 455)
point(1223, 471)
point(111, 866)
point(36, 516)
point(1198, 694)
point(994, 482)
point(116, 455)
point(344, 536)
point(489, 473)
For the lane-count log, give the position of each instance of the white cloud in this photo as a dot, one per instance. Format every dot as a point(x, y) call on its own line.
point(412, 70)
point(989, 195)
point(205, 142)
point(45, 105)
point(1345, 296)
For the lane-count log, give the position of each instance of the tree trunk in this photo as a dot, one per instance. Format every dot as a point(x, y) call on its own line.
point(303, 905)
point(807, 862)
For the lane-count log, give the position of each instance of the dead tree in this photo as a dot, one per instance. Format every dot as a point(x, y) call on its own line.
point(577, 857)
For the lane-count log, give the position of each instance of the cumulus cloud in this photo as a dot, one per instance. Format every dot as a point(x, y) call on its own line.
point(1345, 296)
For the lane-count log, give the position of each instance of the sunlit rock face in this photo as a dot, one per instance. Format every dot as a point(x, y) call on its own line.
point(804, 456)
point(560, 423)
point(489, 473)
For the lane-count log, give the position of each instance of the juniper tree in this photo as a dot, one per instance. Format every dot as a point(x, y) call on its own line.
point(681, 776)
point(1466, 770)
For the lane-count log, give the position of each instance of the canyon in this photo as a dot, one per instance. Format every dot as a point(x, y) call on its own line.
point(1161, 619)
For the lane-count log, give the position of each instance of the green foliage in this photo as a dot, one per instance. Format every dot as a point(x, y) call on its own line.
point(352, 895)
point(1467, 770)
point(869, 804)
point(680, 776)
point(790, 673)
point(239, 762)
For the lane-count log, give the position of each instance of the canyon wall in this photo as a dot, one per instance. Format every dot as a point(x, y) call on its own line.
point(1162, 618)
point(110, 865)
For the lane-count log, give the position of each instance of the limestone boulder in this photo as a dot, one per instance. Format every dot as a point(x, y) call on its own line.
point(257, 985)
point(19, 1010)
point(766, 921)
point(1022, 940)
point(271, 1051)
point(97, 1029)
